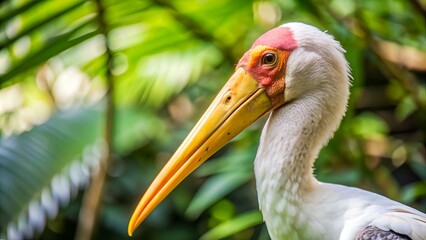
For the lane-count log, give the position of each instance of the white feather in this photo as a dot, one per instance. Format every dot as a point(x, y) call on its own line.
point(316, 94)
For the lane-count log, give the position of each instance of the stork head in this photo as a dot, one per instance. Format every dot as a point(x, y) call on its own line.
point(284, 64)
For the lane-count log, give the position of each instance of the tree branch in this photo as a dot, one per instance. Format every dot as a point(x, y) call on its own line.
point(93, 195)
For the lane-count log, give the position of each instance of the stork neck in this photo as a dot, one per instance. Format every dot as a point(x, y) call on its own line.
point(290, 142)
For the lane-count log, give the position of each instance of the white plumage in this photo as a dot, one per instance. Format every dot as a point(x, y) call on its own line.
point(294, 204)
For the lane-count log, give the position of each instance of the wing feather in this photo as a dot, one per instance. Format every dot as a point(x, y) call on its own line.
point(375, 233)
point(403, 221)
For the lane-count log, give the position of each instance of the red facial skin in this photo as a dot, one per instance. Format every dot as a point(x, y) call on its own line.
point(280, 42)
point(281, 38)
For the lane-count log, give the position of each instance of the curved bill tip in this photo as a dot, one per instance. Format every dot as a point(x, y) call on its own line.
point(130, 230)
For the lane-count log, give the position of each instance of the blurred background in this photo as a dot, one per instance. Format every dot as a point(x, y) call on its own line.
point(95, 96)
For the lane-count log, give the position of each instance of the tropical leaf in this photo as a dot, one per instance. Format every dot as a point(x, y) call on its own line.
point(134, 128)
point(414, 191)
point(42, 169)
point(37, 25)
point(13, 12)
point(214, 189)
point(57, 45)
point(228, 173)
point(235, 225)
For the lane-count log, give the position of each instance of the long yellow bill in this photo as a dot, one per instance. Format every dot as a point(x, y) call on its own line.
point(240, 102)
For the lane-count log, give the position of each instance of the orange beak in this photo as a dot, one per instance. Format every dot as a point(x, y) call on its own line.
point(240, 102)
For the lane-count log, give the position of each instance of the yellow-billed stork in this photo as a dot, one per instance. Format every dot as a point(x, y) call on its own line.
point(300, 74)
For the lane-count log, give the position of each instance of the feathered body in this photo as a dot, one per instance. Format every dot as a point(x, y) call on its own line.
point(294, 204)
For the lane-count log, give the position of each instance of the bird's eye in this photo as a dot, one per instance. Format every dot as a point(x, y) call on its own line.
point(269, 59)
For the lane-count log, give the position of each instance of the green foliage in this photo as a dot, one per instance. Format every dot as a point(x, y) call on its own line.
point(233, 226)
point(126, 138)
point(367, 125)
point(41, 168)
point(225, 174)
point(163, 61)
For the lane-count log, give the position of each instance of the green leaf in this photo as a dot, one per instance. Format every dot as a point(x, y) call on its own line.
point(37, 26)
point(405, 108)
point(134, 127)
point(369, 125)
point(17, 11)
point(413, 191)
point(235, 161)
point(234, 225)
point(214, 189)
point(419, 165)
point(347, 176)
point(42, 168)
point(54, 47)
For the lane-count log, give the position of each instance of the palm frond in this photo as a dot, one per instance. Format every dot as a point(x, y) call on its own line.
point(42, 169)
